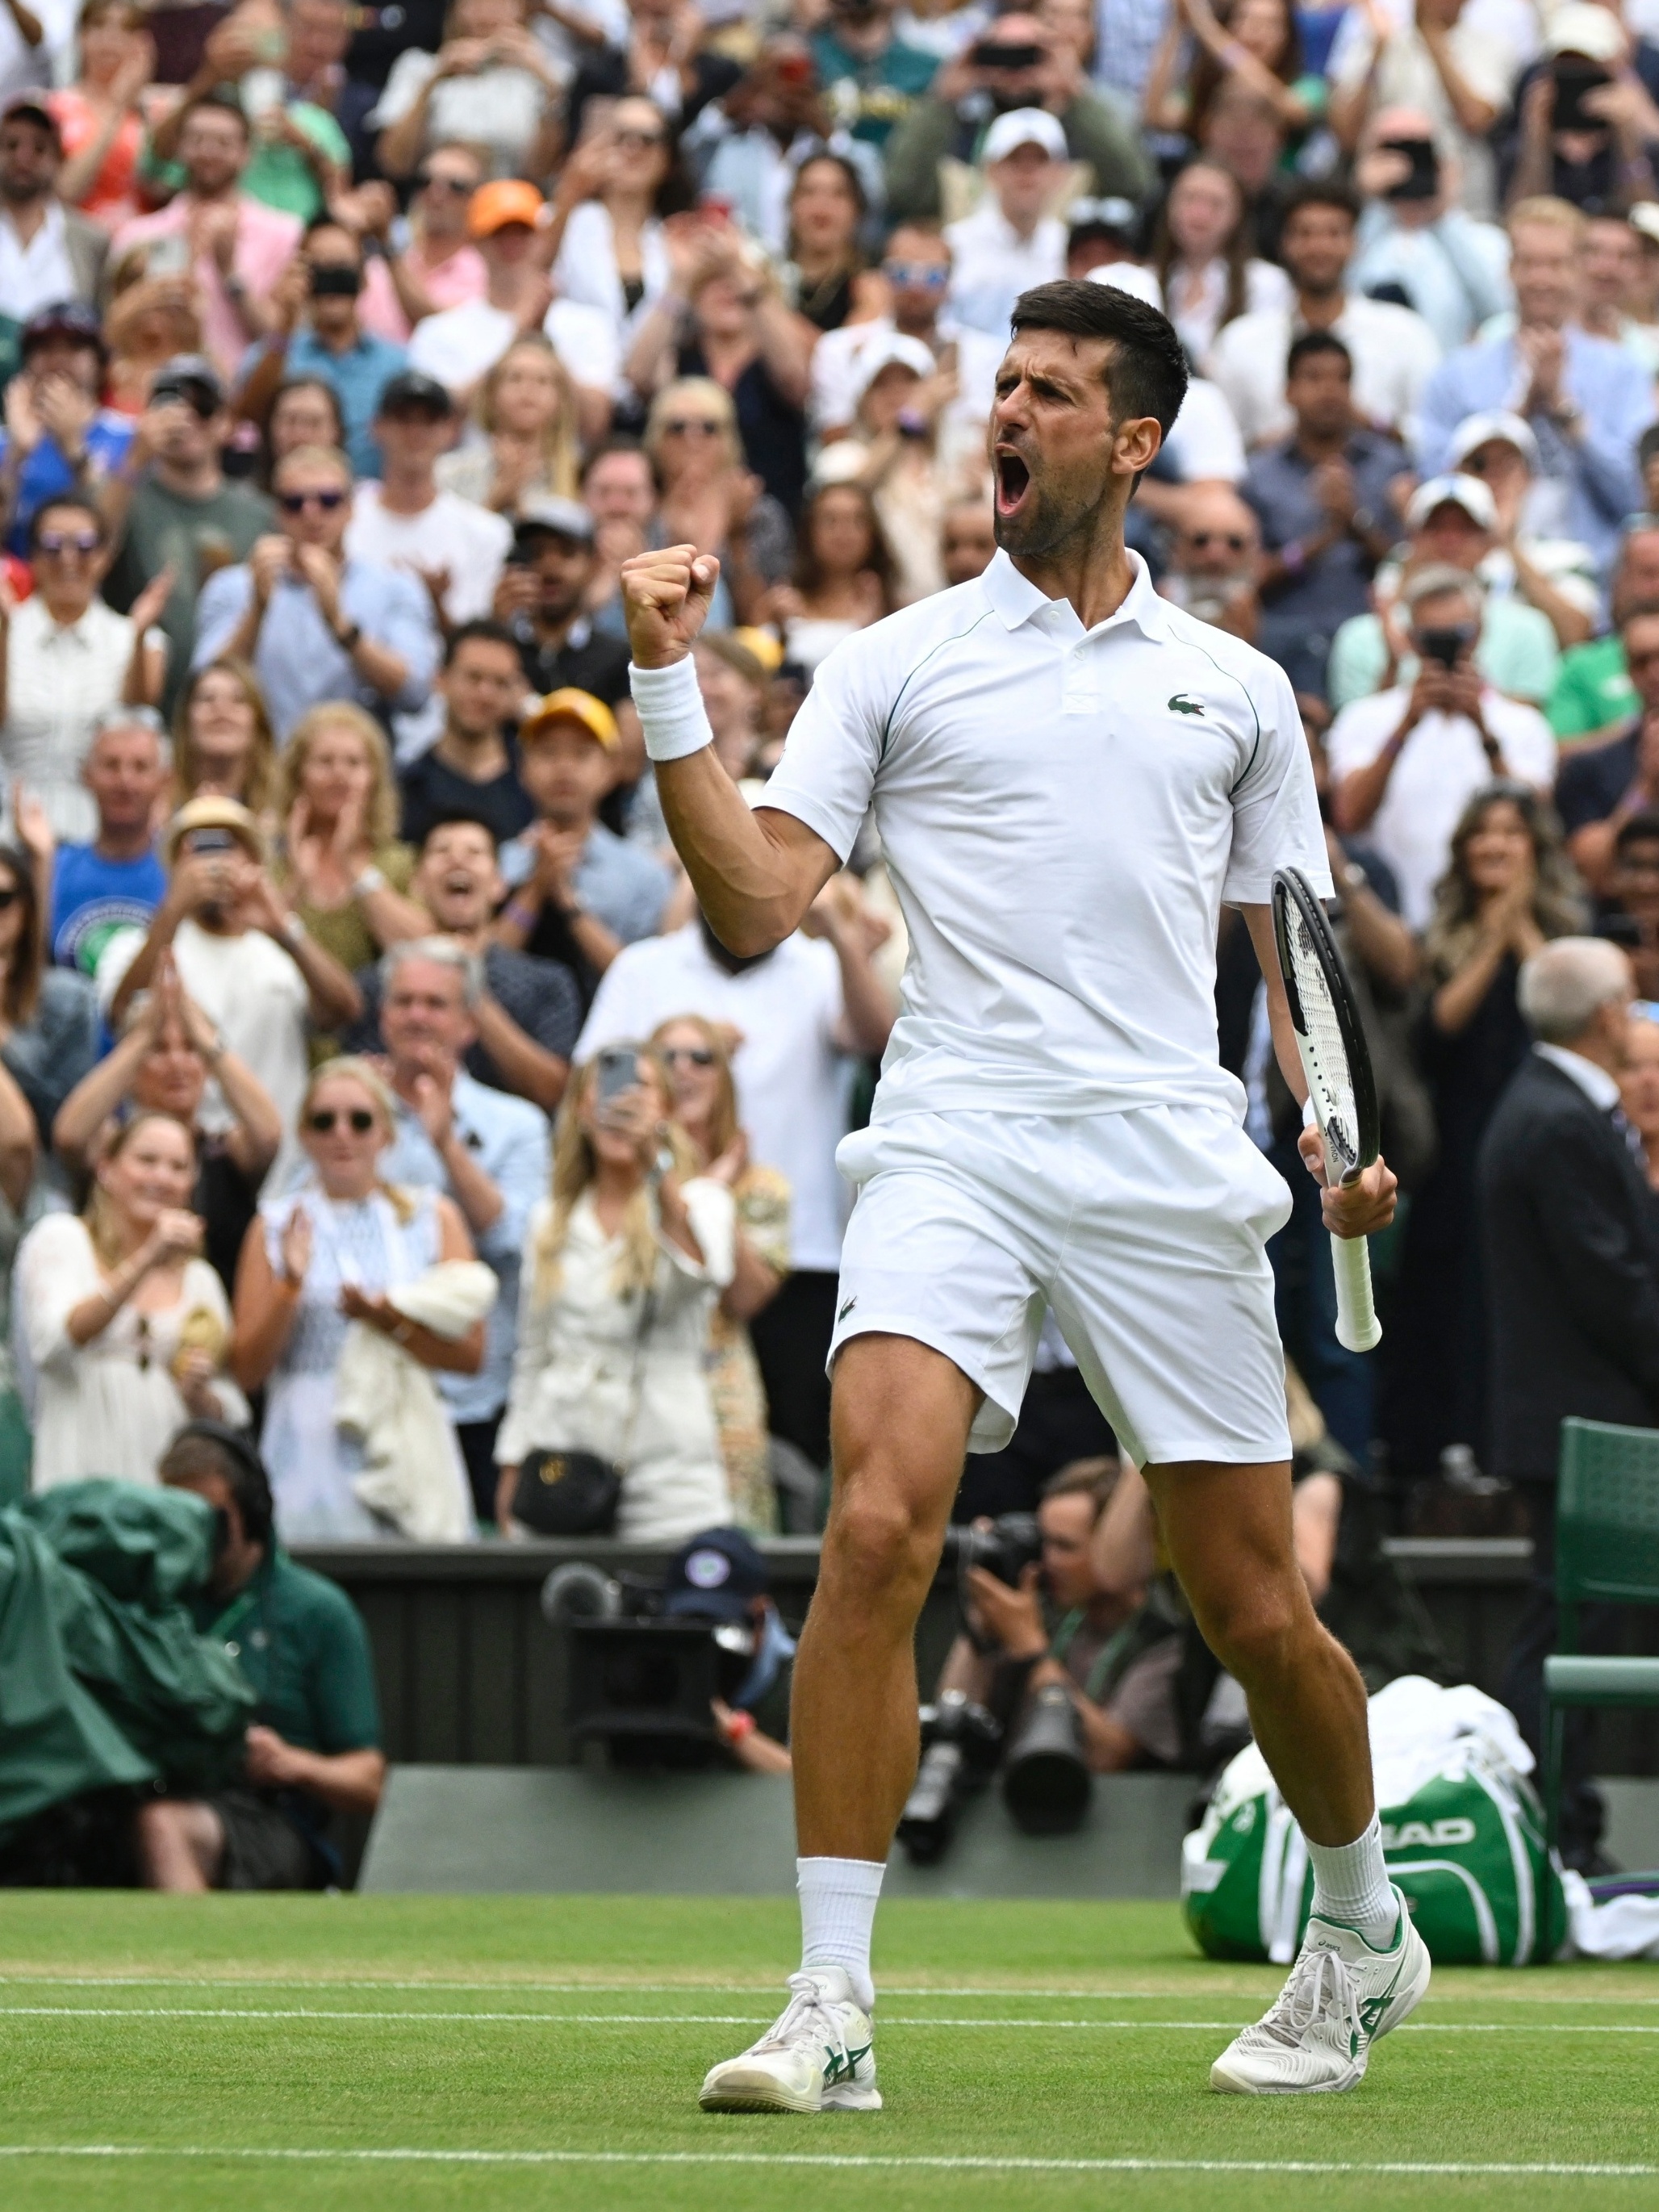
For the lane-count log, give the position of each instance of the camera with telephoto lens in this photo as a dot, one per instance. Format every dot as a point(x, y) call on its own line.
point(960, 1745)
point(1447, 645)
point(1045, 1782)
point(1004, 1548)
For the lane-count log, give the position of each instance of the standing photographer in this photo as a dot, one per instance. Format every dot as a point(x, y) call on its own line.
point(1405, 763)
point(1115, 1658)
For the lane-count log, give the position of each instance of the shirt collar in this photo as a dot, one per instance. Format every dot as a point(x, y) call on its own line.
point(1016, 600)
point(1597, 1085)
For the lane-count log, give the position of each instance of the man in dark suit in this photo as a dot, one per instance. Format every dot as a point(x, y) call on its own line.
point(1571, 1248)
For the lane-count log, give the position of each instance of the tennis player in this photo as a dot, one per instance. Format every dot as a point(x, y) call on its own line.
point(1070, 777)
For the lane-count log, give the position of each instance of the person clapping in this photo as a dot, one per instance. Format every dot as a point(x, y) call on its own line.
point(125, 1325)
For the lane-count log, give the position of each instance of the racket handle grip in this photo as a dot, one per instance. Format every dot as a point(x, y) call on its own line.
point(1358, 1328)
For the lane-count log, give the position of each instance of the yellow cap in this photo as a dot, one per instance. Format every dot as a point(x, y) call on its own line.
point(213, 812)
point(569, 703)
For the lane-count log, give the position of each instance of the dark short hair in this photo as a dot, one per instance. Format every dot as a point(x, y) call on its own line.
point(325, 221)
point(210, 1448)
point(469, 633)
point(617, 442)
point(1311, 345)
point(1321, 192)
point(1149, 373)
point(54, 504)
point(461, 818)
point(1093, 1479)
point(222, 103)
point(1642, 829)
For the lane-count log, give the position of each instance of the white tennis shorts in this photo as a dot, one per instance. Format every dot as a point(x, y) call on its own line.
point(1145, 1231)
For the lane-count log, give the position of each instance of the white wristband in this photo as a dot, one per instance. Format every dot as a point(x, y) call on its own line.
point(671, 713)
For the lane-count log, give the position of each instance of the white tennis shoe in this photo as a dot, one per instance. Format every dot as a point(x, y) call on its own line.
point(1341, 1996)
point(816, 2057)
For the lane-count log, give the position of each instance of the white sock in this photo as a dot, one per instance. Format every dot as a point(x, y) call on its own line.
point(838, 1900)
point(1351, 1884)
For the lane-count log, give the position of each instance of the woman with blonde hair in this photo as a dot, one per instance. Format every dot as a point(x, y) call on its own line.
point(626, 1259)
point(124, 1324)
point(324, 1256)
point(699, 1066)
point(223, 745)
point(523, 442)
point(341, 861)
point(710, 499)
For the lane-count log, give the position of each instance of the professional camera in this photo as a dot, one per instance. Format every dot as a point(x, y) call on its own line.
point(1012, 1543)
point(960, 1743)
point(1045, 1782)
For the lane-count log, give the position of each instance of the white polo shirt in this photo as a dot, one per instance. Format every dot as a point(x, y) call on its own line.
point(1062, 814)
point(1441, 767)
point(792, 1080)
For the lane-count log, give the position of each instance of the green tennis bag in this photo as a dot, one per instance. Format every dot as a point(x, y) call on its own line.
point(1463, 1832)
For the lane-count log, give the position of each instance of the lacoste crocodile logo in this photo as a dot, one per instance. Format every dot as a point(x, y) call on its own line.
point(847, 1307)
point(1181, 704)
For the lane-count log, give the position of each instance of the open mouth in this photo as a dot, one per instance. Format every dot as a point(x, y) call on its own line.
point(1014, 480)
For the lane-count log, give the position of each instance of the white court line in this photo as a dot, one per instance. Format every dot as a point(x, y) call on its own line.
point(770, 1989)
point(756, 2020)
point(829, 2160)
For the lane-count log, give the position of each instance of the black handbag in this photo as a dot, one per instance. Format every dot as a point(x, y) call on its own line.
point(567, 1493)
point(571, 1492)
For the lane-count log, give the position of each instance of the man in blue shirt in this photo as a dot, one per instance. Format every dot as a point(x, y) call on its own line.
point(57, 439)
point(117, 881)
point(318, 334)
point(1587, 400)
point(486, 1151)
point(1323, 497)
point(314, 624)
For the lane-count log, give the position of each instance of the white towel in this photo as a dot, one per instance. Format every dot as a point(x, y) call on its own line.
point(412, 1474)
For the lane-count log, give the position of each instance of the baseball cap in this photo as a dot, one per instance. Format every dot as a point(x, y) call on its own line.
point(212, 813)
point(62, 319)
point(1581, 27)
point(714, 1577)
point(411, 387)
point(1023, 126)
point(502, 201)
point(1476, 430)
point(186, 374)
point(1467, 492)
point(561, 518)
point(32, 104)
point(568, 704)
point(1115, 214)
point(892, 349)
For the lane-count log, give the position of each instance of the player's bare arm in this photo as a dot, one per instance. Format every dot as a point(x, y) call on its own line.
point(754, 872)
point(1353, 1209)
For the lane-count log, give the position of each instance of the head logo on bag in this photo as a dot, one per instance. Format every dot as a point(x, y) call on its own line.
point(1447, 1834)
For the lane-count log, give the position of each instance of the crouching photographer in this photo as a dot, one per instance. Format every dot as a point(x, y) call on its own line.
point(1055, 1677)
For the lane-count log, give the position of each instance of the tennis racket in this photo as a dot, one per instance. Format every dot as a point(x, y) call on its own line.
point(1338, 1067)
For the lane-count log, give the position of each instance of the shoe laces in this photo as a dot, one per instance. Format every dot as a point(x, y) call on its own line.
point(808, 2013)
point(1319, 1988)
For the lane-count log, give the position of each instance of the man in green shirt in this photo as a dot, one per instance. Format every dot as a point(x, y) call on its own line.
point(1593, 693)
point(314, 1745)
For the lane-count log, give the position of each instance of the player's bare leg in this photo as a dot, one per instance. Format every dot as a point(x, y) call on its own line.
point(900, 1416)
point(1363, 1968)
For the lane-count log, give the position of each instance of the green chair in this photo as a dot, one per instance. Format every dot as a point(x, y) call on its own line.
point(1607, 1552)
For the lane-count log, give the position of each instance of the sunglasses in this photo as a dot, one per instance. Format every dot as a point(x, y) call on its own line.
point(1201, 540)
point(59, 541)
point(296, 502)
point(693, 426)
point(359, 1120)
point(927, 274)
point(428, 183)
point(694, 1055)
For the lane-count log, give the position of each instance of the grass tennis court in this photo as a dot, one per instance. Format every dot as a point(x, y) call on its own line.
point(512, 2052)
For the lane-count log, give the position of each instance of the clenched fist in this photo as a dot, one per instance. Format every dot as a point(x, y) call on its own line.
point(665, 598)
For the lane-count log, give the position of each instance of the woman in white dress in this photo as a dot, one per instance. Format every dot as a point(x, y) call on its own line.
point(125, 1325)
point(1202, 258)
point(624, 1264)
point(316, 1259)
point(492, 85)
point(607, 233)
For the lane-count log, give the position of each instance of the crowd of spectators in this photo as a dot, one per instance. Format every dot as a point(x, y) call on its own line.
point(346, 356)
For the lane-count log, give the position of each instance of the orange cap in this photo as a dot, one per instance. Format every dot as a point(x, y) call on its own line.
point(569, 704)
point(507, 199)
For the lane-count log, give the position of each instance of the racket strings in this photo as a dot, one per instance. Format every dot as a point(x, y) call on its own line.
point(1324, 1053)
